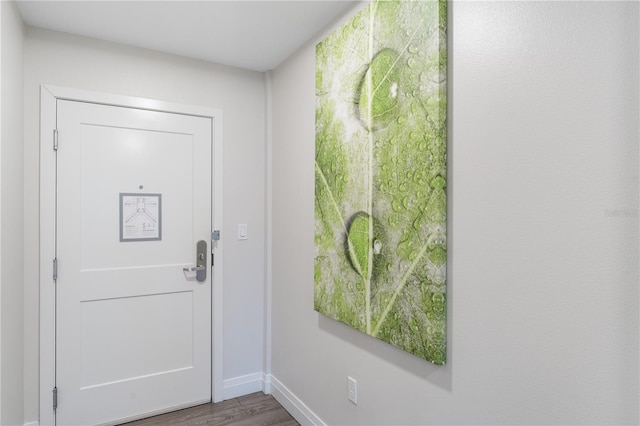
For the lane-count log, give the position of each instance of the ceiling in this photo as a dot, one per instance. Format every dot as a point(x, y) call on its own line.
point(255, 35)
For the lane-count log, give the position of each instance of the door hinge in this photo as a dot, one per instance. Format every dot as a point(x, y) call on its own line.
point(55, 269)
point(55, 399)
point(55, 139)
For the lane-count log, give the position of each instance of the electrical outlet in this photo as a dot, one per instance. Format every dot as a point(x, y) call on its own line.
point(353, 390)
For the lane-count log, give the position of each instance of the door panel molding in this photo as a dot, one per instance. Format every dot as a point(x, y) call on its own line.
point(49, 95)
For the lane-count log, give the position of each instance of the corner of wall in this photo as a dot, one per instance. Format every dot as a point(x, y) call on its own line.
point(1, 94)
point(11, 213)
point(268, 208)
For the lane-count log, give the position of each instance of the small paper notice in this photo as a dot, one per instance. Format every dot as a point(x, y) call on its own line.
point(140, 217)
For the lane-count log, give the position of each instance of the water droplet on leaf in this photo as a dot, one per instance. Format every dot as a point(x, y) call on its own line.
point(365, 238)
point(377, 247)
point(438, 182)
point(378, 97)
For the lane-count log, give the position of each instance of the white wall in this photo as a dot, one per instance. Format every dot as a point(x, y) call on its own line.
point(71, 61)
point(11, 222)
point(542, 238)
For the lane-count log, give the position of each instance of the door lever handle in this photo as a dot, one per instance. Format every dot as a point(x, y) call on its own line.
point(201, 260)
point(193, 269)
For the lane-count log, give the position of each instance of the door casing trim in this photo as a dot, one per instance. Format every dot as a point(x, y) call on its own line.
point(49, 95)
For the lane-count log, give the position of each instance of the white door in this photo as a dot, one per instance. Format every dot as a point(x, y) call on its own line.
point(133, 329)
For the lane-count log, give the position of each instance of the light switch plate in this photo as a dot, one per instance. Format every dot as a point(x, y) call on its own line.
point(242, 231)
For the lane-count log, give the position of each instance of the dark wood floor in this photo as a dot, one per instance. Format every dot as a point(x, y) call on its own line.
point(250, 410)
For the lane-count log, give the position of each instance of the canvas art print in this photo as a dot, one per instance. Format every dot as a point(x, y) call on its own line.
point(380, 175)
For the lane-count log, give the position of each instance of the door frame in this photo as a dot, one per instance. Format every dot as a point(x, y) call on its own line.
point(49, 95)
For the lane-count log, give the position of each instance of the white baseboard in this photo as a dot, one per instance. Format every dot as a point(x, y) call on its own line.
point(242, 385)
point(291, 402)
point(32, 424)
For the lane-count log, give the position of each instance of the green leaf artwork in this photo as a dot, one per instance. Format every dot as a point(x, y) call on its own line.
point(380, 187)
